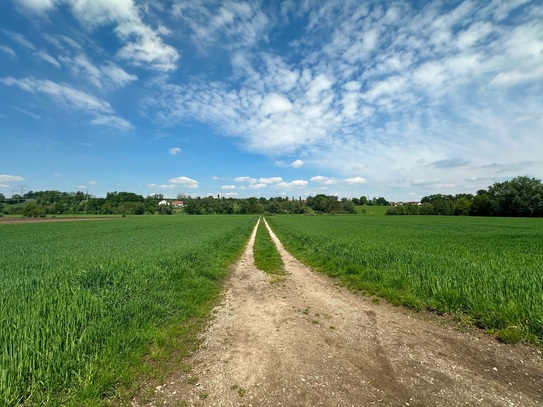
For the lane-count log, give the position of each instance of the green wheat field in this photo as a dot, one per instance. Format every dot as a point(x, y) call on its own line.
point(84, 306)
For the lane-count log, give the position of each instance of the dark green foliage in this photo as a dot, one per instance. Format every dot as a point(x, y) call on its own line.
point(519, 197)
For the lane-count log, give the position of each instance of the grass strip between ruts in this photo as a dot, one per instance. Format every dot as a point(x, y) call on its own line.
point(266, 256)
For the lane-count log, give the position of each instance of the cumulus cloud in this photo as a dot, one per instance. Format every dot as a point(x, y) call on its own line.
point(296, 184)
point(175, 150)
point(227, 187)
point(10, 178)
point(184, 181)
point(275, 103)
point(245, 179)
point(258, 185)
point(297, 164)
point(324, 180)
point(271, 180)
point(355, 181)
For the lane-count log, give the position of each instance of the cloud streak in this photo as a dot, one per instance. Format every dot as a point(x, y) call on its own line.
point(71, 98)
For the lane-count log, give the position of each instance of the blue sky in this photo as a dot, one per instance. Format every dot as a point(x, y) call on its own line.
point(268, 98)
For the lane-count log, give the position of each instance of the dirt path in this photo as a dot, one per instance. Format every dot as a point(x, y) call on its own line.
point(307, 342)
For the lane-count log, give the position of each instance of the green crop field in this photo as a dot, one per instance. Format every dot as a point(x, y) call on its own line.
point(82, 304)
point(485, 270)
point(371, 210)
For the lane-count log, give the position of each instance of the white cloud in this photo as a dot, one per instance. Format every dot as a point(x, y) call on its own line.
point(20, 39)
point(271, 180)
point(28, 113)
point(111, 121)
point(64, 93)
point(227, 187)
point(175, 150)
point(10, 178)
point(107, 75)
point(245, 179)
point(274, 103)
point(355, 181)
point(297, 164)
point(259, 185)
point(73, 99)
point(38, 5)
point(231, 25)
point(7, 50)
point(515, 77)
point(184, 181)
point(296, 184)
point(48, 58)
point(324, 180)
point(141, 45)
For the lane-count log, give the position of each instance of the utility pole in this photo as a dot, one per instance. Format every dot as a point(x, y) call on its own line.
point(22, 188)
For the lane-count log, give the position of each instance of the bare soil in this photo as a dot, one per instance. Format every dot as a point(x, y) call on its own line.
point(305, 341)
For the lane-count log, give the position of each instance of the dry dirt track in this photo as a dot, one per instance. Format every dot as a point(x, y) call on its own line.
point(307, 342)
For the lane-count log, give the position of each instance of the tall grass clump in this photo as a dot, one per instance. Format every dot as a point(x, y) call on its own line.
point(82, 303)
point(266, 256)
point(490, 269)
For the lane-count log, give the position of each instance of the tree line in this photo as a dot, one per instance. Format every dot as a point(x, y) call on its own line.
point(520, 197)
point(42, 203)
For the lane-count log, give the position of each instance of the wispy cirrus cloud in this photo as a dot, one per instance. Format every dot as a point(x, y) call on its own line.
point(107, 74)
point(72, 98)
point(141, 45)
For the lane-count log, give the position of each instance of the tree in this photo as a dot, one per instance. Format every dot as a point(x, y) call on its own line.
point(192, 207)
point(462, 207)
point(323, 203)
point(521, 196)
point(32, 210)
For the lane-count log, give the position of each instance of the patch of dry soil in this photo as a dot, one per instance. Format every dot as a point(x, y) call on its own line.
point(307, 342)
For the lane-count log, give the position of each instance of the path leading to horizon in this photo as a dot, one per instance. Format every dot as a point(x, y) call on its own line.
point(305, 341)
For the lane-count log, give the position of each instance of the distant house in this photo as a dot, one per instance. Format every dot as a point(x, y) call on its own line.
point(178, 204)
point(163, 202)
